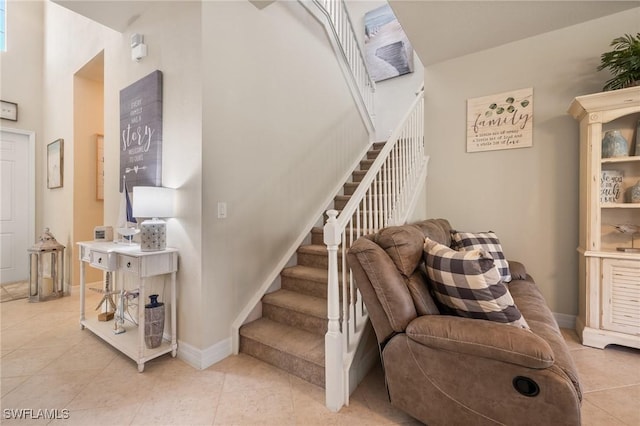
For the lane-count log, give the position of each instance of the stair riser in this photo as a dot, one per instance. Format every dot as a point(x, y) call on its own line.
point(295, 319)
point(313, 260)
point(310, 288)
point(317, 236)
point(299, 367)
point(349, 188)
point(316, 259)
point(340, 204)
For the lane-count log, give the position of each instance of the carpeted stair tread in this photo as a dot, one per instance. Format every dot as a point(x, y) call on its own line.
point(285, 338)
point(306, 272)
point(316, 249)
point(298, 302)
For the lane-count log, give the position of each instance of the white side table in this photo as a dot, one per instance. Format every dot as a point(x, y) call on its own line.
point(128, 259)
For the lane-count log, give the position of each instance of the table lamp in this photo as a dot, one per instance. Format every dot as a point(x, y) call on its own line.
point(153, 203)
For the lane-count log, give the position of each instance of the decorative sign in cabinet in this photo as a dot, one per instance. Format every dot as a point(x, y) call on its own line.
point(609, 246)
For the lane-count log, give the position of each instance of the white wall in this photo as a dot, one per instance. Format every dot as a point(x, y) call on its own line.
point(21, 78)
point(280, 128)
point(528, 196)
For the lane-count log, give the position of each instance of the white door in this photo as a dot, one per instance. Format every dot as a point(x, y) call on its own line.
point(16, 203)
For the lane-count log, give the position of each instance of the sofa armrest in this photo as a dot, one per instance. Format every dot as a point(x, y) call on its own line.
point(482, 338)
point(517, 270)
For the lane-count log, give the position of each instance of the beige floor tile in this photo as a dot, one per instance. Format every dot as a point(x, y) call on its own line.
point(622, 403)
point(114, 388)
point(191, 406)
point(7, 384)
point(24, 362)
point(595, 416)
point(16, 337)
point(91, 354)
point(248, 374)
point(45, 359)
point(48, 391)
point(606, 368)
point(122, 414)
point(264, 406)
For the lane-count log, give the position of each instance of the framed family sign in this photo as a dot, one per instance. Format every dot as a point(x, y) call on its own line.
point(500, 121)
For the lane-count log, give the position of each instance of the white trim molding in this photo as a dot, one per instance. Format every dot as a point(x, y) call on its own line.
point(204, 358)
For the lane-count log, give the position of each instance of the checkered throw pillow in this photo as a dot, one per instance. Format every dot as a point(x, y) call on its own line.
point(487, 241)
point(469, 284)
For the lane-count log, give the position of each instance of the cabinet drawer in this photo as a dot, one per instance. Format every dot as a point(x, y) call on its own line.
point(129, 264)
point(103, 260)
point(85, 254)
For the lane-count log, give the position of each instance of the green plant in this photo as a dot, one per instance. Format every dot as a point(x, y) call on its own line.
point(623, 62)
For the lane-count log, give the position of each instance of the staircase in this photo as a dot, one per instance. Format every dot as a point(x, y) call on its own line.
point(291, 333)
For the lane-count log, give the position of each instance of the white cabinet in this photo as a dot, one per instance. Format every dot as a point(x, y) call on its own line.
point(609, 277)
point(127, 261)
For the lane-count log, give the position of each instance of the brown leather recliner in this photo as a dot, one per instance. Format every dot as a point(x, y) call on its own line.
point(449, 370)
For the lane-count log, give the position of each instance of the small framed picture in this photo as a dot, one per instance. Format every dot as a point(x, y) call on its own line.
point(8, 110)
point(55, 163)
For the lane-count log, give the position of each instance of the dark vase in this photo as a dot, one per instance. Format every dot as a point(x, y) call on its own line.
point(153, 322)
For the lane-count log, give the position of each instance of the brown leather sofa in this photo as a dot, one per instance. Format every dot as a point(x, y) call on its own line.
point(449, 370)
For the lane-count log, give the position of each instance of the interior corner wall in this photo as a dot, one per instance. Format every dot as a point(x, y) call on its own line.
point(528, 196)
point(172, 34)
point(87, 210)
point(280, 129)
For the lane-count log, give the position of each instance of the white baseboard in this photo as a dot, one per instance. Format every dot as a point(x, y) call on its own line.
point(565, 320)
point(202, 359)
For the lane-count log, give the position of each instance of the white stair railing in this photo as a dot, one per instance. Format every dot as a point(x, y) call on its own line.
point(386, 196)
point(334, 16)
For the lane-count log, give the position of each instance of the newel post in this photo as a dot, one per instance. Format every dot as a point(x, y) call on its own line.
point(334, 379)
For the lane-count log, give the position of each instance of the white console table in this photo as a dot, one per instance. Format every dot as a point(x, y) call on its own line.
point(128, 259)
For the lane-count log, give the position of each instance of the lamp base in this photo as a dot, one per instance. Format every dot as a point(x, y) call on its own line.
point(153, 235)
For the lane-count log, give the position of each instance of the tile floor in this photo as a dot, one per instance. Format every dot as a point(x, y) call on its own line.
point(14, 291)
point(48, 363)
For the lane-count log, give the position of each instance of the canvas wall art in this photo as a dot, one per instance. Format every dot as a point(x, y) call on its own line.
point(141, 132)
point(388, 52)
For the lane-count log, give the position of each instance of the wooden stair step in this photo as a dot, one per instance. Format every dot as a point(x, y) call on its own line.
point(289, 348)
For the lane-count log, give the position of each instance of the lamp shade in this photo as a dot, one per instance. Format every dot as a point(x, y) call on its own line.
point(153, 201)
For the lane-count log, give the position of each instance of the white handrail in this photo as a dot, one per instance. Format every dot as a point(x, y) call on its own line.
point(385, 197)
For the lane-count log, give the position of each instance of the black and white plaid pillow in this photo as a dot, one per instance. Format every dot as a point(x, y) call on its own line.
point(469, 284)
point(487, 241)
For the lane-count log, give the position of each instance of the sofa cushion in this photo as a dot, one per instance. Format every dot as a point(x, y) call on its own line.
point(469, 284)
point(369, 262)
point(419, 289)
point(487, 241)
point(403, 244)
point(438, 230)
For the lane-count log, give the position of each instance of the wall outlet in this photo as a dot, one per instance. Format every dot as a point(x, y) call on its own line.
point(222, 210)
